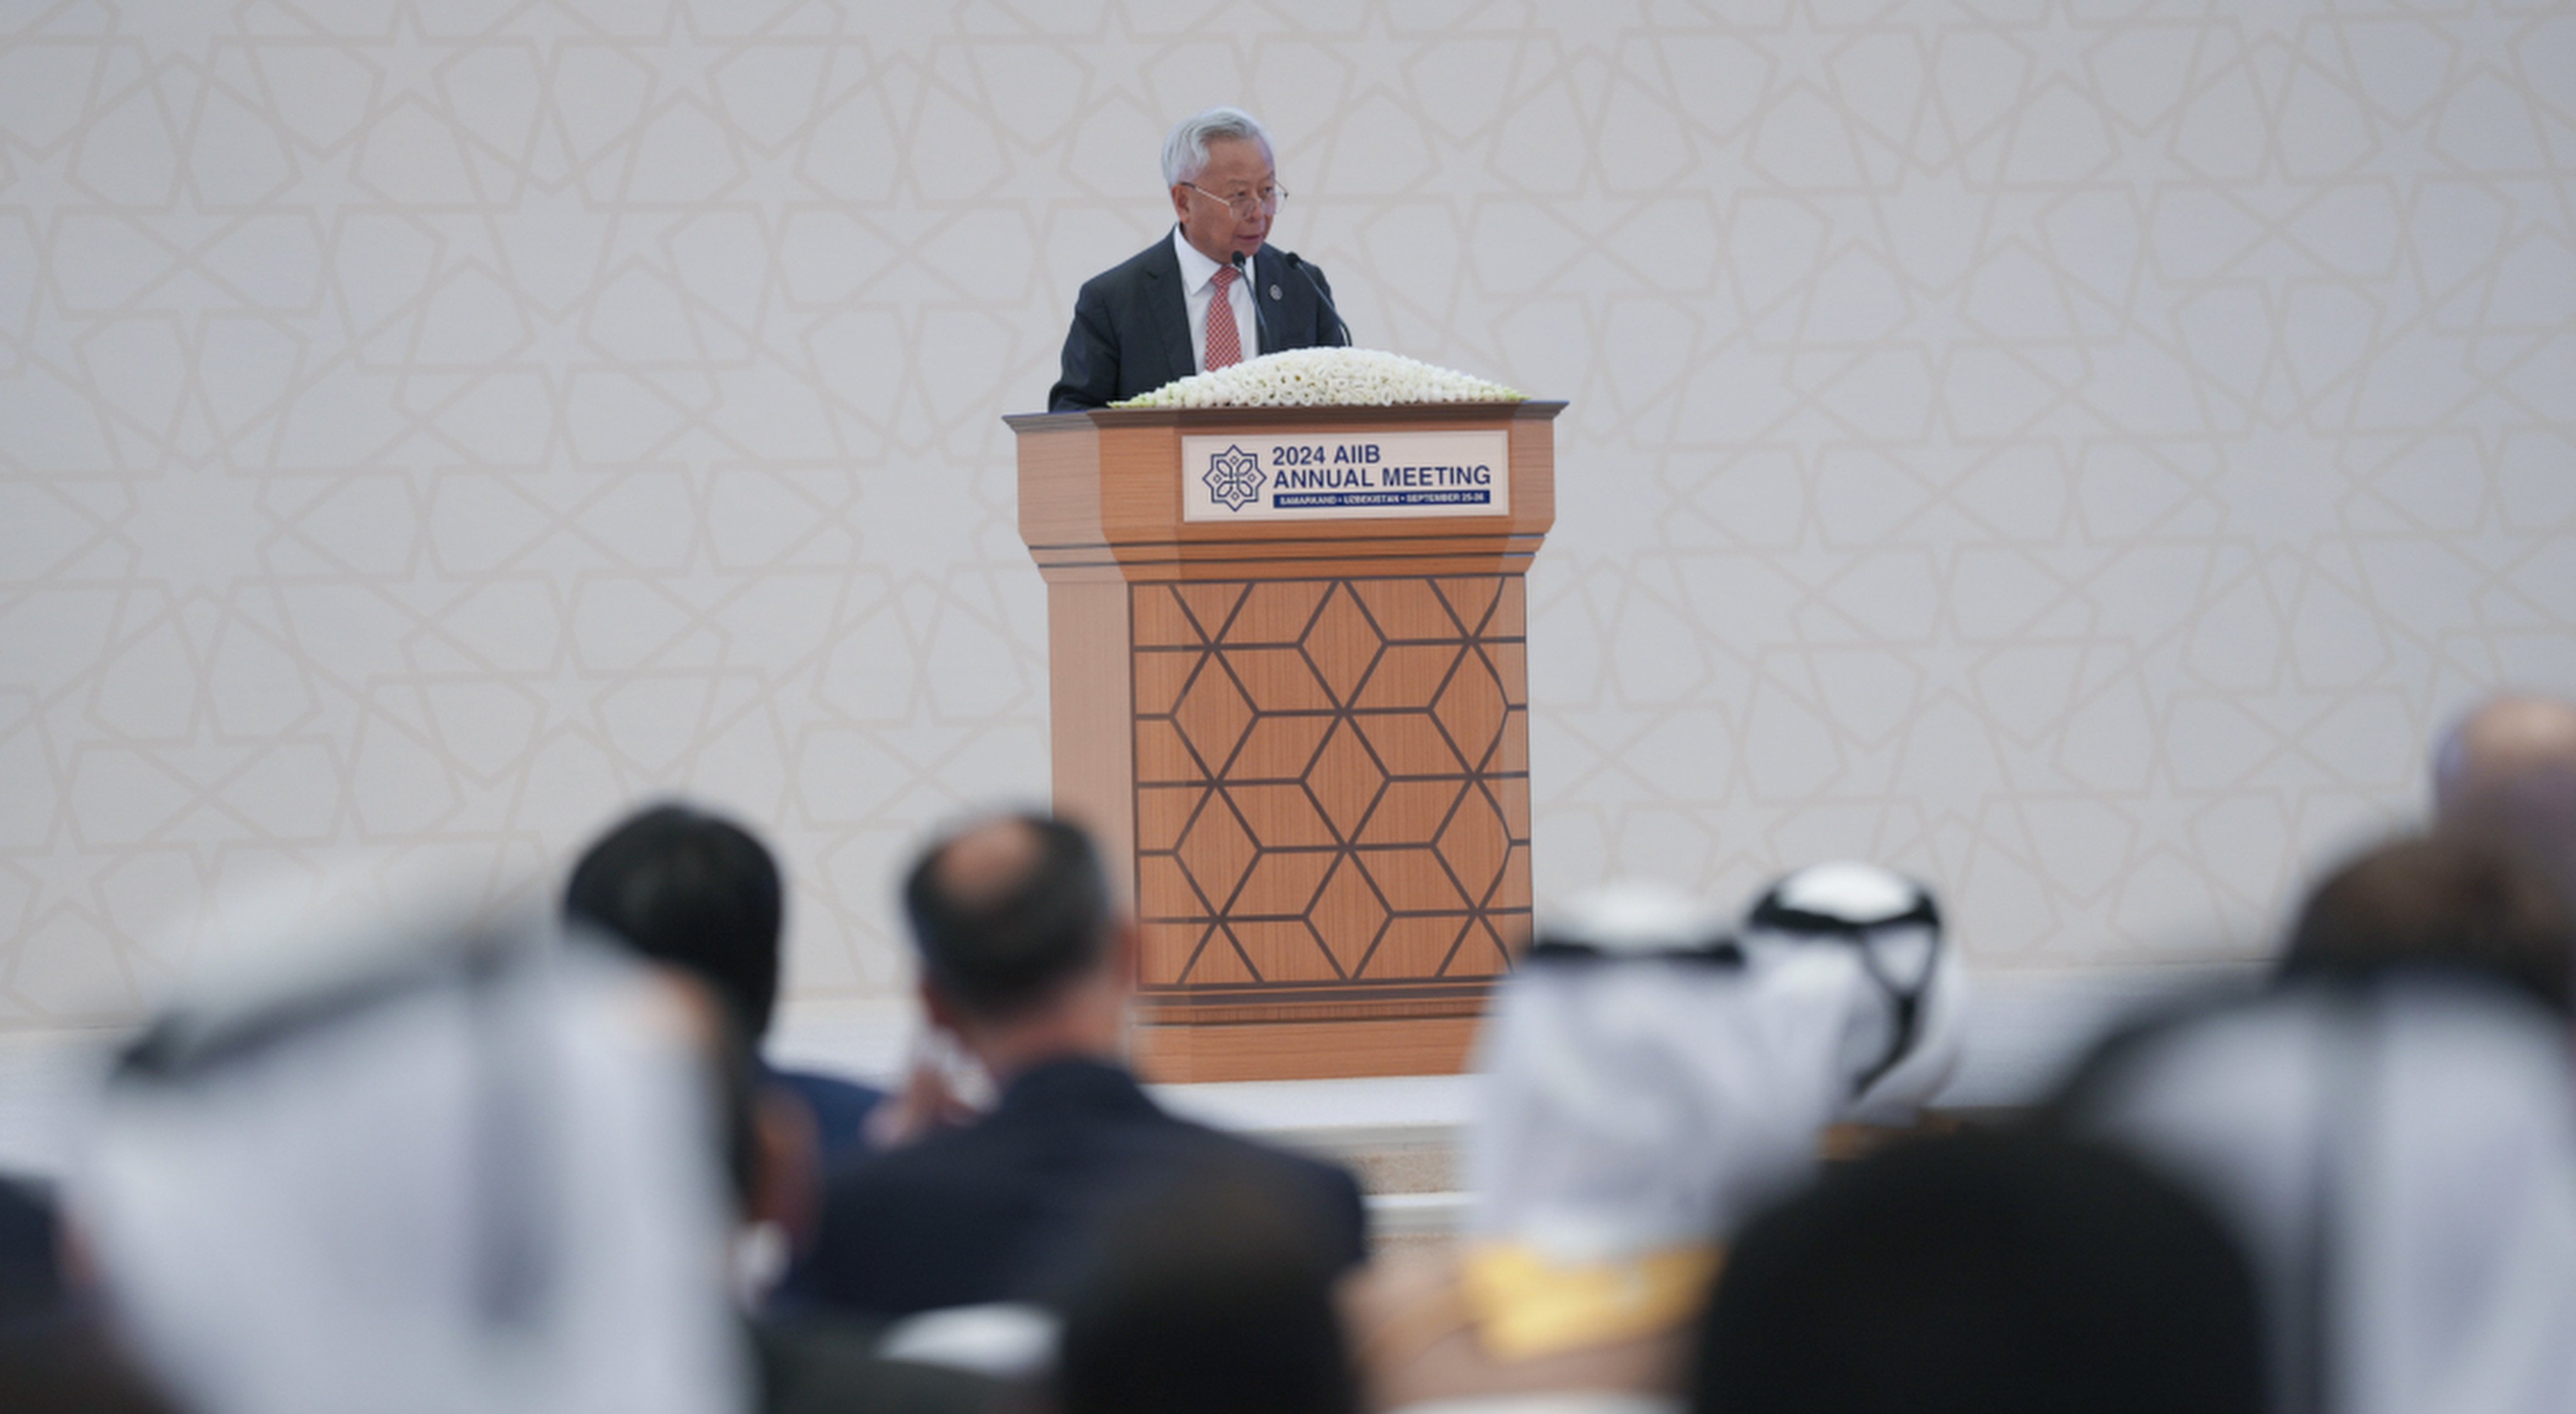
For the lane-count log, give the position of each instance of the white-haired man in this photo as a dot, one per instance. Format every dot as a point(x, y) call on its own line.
point(1212, 293)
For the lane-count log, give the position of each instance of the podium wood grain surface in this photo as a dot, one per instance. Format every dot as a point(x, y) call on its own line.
point(1303, 744)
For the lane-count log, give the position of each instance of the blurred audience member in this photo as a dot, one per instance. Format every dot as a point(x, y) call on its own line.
point(458, 1172)
point(1984, 1274)
point(804, 1363)
point(54, 1358)
point(2396, 1150)
point(1862, 948)
point(2509, 768)
point(31, 1284)
point(698, 892)
point(1024, 959)
point(2459, 901)
point(1205, 1294)
point(1651, 1079)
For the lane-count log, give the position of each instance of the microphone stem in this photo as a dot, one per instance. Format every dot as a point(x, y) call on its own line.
point(1317, 286)
point(1260, 318)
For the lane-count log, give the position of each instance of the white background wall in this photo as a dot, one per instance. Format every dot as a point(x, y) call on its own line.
point(2076, 451)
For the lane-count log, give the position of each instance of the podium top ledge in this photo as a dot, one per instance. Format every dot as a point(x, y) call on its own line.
point(1528, 409)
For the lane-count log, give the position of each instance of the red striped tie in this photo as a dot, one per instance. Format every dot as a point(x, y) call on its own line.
point(1224, 345)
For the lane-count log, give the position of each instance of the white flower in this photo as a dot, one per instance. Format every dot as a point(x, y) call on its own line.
point(1330, 377)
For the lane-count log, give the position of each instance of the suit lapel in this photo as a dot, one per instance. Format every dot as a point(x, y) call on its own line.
point(1169, 311)
point(1294, 319)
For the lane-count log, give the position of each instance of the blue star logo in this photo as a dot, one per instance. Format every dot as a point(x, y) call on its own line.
point(1234, 478)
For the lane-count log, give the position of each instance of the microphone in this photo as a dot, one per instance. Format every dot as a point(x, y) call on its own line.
point(1258, 316)
point(1298, 263)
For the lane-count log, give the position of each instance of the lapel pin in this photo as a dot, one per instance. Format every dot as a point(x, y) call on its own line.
point(1274, 292)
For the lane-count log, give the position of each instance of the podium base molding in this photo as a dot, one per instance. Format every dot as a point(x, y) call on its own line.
point(1302, 1050)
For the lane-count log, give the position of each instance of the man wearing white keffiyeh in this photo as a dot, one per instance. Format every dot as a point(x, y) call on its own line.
point(2392, 1131)
point(466, 1171)
point(1650, 1078)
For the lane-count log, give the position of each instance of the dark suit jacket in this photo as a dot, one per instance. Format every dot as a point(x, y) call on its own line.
point(1131, 324)
point(997, 1211)
point(31, 1279)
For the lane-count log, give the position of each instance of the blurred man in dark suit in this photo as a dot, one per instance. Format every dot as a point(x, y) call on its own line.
point(1025, 959)
point(1211, 294)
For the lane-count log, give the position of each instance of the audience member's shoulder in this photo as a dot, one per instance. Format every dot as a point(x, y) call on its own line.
point(1333, 1195)
point(1320, 1172)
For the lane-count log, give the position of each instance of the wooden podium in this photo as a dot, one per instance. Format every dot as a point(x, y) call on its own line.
point(1302, 742)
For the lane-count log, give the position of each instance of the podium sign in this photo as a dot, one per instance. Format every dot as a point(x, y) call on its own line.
point(1297, 715)
point(1346, 476)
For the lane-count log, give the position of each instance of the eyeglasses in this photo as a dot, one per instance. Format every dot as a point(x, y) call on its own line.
point(1245, 205)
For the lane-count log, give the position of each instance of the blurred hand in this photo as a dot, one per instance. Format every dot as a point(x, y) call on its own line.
point(943, 1088)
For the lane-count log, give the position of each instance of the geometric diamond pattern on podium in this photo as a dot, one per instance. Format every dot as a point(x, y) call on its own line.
point(1332, 790)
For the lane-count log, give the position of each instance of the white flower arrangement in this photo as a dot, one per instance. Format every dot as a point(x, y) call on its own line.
point(1328, 377)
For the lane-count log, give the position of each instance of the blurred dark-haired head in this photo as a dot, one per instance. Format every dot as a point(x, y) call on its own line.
point(1984, 1274)
point(692, 890)
point(1007, 910)
point(1208, 1294)
point(2457, 900)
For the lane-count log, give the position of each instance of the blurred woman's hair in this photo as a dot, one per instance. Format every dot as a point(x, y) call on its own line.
point(693, 891)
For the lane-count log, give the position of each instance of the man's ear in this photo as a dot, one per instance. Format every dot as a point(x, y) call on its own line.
point(1180, 202)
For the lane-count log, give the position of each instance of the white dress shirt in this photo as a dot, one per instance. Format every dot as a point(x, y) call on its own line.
point(1198, 286)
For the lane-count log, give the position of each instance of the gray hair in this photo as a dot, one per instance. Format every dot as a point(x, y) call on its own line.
point(1185, 152)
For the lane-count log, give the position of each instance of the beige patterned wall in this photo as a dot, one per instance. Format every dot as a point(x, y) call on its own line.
point(2077, 451)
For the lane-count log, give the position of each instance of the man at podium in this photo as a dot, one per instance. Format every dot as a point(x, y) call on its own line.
point(1211, 294)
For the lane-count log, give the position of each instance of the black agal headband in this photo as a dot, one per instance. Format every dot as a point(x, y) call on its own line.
point(1772, 915)
point(1561, 946)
